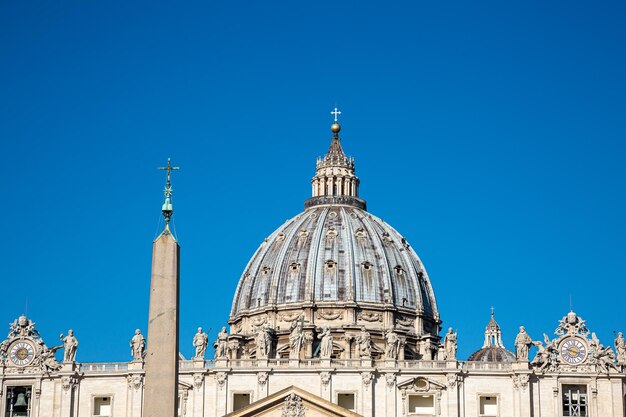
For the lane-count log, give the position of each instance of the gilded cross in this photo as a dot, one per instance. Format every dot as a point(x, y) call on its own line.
point(335, 113)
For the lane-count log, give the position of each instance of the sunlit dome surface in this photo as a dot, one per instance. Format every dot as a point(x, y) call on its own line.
point(335, 254)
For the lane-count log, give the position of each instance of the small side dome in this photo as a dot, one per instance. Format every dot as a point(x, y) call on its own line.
point(493, 350)
point(492, 354)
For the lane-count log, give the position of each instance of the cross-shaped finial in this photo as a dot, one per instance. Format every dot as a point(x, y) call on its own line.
point(168, 208)
point(492, 311)
point(335, 113)
point(169, 168)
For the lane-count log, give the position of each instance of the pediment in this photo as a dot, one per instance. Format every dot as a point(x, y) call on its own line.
point(293, 402)
point(421, 384)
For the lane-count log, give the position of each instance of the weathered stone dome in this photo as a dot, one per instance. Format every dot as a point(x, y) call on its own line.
point(335, 255)
point(492, 354)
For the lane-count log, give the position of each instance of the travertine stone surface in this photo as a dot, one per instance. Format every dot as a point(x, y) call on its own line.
point(162, 351)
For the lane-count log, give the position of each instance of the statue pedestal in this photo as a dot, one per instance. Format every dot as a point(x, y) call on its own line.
point(520, 366)
point(366, 362)
point(294, 363)
point(325, 363)
point(198, 363)
point(452, 364)
point(69, 367)
point(135, 365)
point(221, 363)
point(262, 362)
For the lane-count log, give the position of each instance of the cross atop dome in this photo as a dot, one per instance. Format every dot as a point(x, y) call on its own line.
point(335, 113)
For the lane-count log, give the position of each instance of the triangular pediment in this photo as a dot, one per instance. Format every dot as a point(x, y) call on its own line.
point(293, 402)
point(421, 384)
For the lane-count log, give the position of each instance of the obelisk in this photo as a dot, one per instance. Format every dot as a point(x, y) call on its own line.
point(161, 377)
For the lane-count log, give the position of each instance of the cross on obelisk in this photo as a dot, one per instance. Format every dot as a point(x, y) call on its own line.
point(168, 208)
point(335, 113)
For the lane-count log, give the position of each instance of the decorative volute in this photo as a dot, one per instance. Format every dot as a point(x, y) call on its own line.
point(334, 181)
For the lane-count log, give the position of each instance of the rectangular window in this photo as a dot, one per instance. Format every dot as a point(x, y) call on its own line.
point(423, 405)
point(574, 400)
point(240, 401)
point(488, 406)
point(346, 400)
point(18, 401)
point(102, 407)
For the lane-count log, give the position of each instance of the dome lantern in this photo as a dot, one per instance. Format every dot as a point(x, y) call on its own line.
point(334, 181)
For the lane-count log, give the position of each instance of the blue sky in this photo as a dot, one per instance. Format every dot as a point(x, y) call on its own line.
point(491, 135)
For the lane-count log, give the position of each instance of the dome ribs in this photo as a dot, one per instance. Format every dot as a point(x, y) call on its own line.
point(338, 258)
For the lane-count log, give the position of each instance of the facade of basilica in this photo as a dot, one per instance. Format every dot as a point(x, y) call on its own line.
point(334, 315)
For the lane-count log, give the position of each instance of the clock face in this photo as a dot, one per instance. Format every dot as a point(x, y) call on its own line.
point(22, 353)
point(573, 350)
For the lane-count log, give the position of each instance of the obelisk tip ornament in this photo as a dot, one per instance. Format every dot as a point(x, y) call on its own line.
point(168, 209)
point(161, 369)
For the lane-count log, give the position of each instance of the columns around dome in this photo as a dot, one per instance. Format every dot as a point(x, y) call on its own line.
point(334, 181)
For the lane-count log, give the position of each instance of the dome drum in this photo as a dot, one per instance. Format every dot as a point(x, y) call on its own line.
point(344, 325)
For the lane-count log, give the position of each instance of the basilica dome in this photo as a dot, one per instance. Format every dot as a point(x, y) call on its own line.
point(335, 254)
point(336, 264)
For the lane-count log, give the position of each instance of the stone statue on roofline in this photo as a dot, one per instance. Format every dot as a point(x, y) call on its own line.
point(70, 344)
point(200, 342)
point(620, 349)
point(221, 345)
point(137, 346)
point(450, 345)
point(523, 341)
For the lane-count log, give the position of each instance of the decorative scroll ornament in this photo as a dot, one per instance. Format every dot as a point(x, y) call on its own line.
point(520, 381)
point(262, 378)
point(289, 316)
point(198, 380)
point(325, 378)
point(293, 406)
point(258, 321)
point(371, 317)
point(390, 379)
point(452, 380)
point(367, 378)
point(329, 315)
point(421, 385)
point(69, 382)
point(221, 377)
point(405, 322)
point(134, 381)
